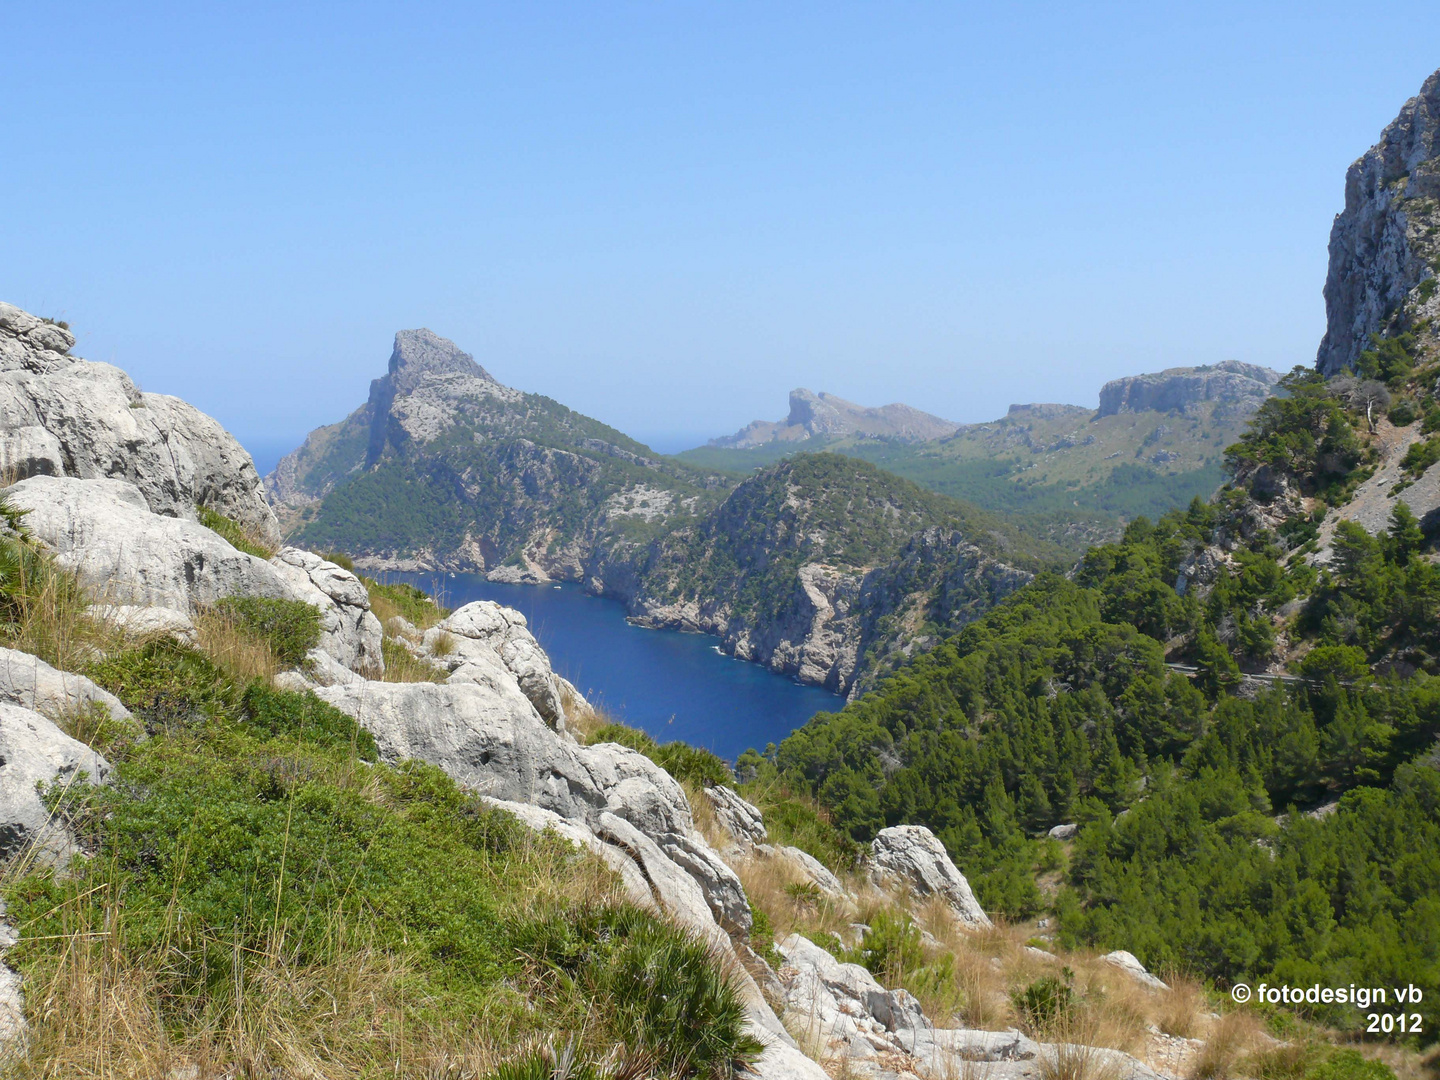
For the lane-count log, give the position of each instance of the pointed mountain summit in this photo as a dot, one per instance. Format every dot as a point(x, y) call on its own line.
point(825, 416)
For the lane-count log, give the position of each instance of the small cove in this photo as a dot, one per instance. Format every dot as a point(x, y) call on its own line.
point(668, 684)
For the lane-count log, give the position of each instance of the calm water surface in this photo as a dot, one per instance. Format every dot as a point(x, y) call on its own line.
point(671, 685)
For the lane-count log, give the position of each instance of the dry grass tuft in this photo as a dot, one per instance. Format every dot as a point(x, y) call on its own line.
point(1182, 1012)
point(51, 616)
point(1076, 1058)
point(1228, 1040)
point(237, 651)
point(401, 665)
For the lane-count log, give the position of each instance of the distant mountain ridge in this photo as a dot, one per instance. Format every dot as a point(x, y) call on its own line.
point(444, 467)
point(1154, 443)
point(827, 416)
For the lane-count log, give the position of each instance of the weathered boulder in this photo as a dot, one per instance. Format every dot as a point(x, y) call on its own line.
point(34, 751)
point(841, 1005)
point(63, 416)
point(154, 572)
point(913, 857)
point(1130, 965)
point(1063, 832)
point(742, 822)
point(29, 682)
point(473, 639)
point(124, 554)
point(350, 633)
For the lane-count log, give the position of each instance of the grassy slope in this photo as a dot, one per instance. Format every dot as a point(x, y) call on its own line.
point(261, 895)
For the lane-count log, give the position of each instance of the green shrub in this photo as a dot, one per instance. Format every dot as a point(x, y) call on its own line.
point(1349, 1065)
point(1421, 456)
point(270, 712)
point(168, 686)
point(1402, 412)
point(290, 627)
point(235, 534)
point(1045, 1004)
point(670, 998)
point(891, 947)
point(680, 760)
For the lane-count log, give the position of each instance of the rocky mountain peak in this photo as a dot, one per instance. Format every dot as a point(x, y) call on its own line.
point(826, 416)
point(422, 352)
point(1385, 244)
point(1230, 383)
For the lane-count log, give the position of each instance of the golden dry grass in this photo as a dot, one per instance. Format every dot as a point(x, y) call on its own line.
point(402, 666)
point(240, 653)
point(1229, 1039)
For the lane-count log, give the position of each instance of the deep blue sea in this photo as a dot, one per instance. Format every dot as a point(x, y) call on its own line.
point(669, 684)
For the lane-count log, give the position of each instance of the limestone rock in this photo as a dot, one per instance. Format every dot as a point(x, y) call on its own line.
point(1240, 387)
point(912, 856)
point(743, 822)
point(63, 416)
point(29, 682)
point(125, 554)
point(1128, 963)
point(350, 632)
point(33, 750)
point(1063, 832)
point(154, 571)
point(1386, 241)
point(472, 640)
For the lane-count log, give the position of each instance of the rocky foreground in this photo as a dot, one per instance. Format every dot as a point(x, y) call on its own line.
point(85, 445)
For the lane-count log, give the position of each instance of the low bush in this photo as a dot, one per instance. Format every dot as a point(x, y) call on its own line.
point(669, 996)
point(1045, 1004)
point(269, 712)
point(890, 949)
point(235, 534)
point(291, 628)
point(685, 763)
point(168, 686)
point(403, 666)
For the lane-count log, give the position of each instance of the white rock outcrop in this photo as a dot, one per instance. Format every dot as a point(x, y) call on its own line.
point(741, 822)
point(1130, 965)
point(31, 683)
point(33, 751)
point(912, 857)
point(471, 641)
point(866, 1031)
point(155, 570)
point(350, 632)
point(64, 416)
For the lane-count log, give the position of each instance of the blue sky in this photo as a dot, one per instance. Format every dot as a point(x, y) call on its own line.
point(666, 216)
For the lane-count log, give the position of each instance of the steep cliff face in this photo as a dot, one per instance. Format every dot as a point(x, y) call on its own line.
point(1235, 388)
point(1385, 244)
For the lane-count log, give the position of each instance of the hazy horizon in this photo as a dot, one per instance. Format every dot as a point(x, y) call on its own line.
point(667, 219)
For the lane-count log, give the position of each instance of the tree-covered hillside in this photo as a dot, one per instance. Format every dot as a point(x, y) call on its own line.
point(1234, 827)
